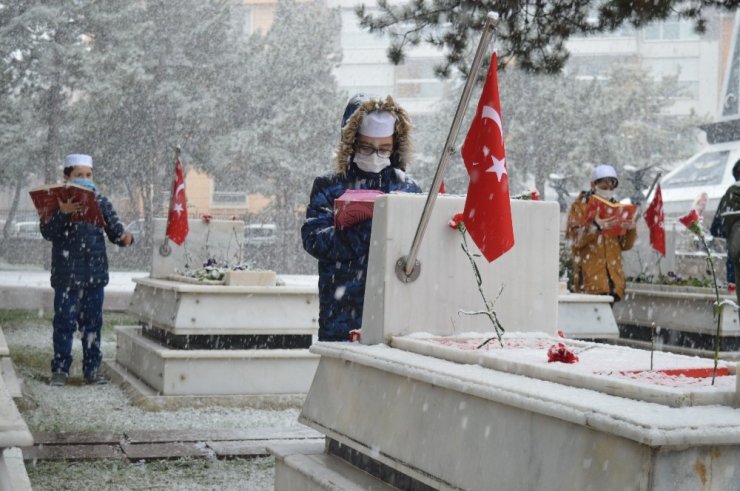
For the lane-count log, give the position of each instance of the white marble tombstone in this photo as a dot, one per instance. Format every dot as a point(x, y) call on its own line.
point(526, 276)
point(413, 420)
point(219, 239)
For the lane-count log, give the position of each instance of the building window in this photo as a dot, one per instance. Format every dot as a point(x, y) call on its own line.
point(731, 95)
point(596, 66)
point(242, 20)
point(355, 37)
point(670, 30)
point(416, 78)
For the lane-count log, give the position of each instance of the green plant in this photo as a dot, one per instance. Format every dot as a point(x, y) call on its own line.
point(214, 270)
point(671, 279)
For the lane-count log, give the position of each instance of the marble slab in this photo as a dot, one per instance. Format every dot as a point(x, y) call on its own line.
point(13, 429)
point(523, 282)
point(13, 471)
point(677, 308)
point(214, 372)
point(586, 316)
point(598, 368)
point(450, 425)
point(184, 308)
point(222, 240)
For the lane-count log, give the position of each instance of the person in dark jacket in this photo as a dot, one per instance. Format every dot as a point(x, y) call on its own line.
point(729, 202)
point(79, 272)
point(373, 153)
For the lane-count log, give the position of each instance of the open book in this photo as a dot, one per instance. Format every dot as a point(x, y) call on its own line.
point(622, 214)
point(46, 200)
point(354, 206)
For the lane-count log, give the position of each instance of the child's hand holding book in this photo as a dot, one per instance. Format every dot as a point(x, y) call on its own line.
point(70, 206)
point(606, 223)
point(611, 218)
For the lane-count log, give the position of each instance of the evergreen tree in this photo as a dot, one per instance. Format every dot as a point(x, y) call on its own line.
point(534, 33)
point(157, 69)
point(42, 51)
point(286, 122)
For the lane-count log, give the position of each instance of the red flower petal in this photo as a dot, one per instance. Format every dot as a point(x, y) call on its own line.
point(558, 352)
point(455, 220)
point(689, 219)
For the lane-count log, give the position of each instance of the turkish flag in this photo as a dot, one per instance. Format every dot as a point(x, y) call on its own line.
point(655, 219)
point(177, 219)
point(487, 214)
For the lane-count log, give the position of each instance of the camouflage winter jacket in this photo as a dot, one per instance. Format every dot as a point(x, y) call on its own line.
point(597, 258)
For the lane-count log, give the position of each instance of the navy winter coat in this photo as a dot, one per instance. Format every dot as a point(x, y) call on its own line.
point(78, 257)
point(343, 253)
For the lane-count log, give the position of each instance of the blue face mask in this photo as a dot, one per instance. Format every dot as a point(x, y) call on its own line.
point(84, 183)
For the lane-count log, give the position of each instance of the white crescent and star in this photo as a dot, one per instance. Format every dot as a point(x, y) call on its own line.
point(499, 165)
point(177, 207)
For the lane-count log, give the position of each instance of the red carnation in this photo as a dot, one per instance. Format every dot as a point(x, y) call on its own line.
point(691, 222)
point(456, 220)
point(558, 352)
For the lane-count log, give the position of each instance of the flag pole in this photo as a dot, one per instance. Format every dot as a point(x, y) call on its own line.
point(165, 249)
point(647, 196)
point(652, 186)
point(408, 267)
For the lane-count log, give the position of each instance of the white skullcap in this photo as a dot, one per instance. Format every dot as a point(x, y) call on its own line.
point(603, 171)
point(75, 159)
point(377, 124)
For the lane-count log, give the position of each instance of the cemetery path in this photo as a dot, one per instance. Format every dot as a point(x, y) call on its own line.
point(135, 446)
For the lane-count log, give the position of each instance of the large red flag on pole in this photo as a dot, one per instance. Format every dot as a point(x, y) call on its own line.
point(487, 214)
point(177, 219)
point(655, 221)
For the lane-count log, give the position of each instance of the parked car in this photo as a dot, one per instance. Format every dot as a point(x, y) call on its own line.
point(709, 171)
point(260, 233)
point(26, 230)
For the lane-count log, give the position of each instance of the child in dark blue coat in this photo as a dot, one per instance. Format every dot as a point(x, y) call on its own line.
point(373, 153)
point(79, 272)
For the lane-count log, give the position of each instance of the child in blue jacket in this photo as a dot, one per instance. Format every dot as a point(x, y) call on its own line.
point(373, 153)
point(79, 272)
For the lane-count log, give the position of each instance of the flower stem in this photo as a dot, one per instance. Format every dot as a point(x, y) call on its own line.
point(652, 344)
point(489, 312)
point(717, 307)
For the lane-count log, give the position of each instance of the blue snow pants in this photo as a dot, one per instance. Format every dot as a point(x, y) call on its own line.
point(77, 309)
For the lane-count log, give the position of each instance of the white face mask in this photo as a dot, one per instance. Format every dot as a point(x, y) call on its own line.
point(372, 163)
point(604, 193)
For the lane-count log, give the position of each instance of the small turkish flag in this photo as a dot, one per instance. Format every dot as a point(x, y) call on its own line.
point(655, 221)
point(177, 219)
point(487, 214)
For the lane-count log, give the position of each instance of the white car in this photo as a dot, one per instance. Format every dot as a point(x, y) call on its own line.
point(260, 233)
point(709, 171)
point(26, 230)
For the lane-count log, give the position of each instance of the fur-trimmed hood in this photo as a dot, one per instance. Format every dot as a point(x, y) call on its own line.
point(401, 136)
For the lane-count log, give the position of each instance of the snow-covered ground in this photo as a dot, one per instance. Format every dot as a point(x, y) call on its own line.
point(81, 408)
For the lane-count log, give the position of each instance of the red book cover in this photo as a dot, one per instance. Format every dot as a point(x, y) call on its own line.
point(46, 200)
point(354, 206)
point(604, 209)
